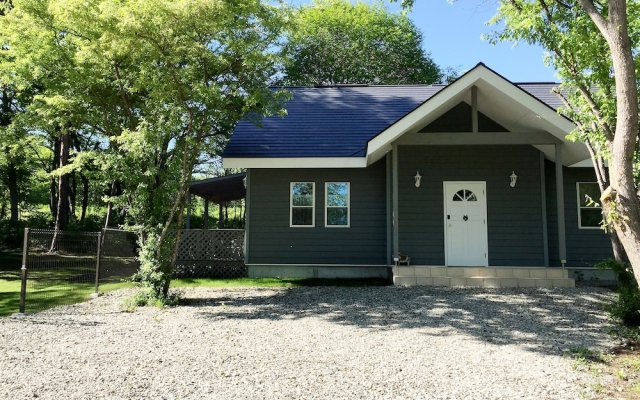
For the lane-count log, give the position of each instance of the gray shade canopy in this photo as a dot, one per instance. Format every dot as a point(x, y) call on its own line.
point(220, 189)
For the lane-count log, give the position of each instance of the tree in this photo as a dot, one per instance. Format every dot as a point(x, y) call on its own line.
point(15, 143)
point(336, 42)
point(594, 47)
point(160, 82)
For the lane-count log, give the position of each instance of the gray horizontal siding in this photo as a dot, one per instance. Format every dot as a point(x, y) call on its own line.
point(514, 214)
point(585, 247)
point(272, 241)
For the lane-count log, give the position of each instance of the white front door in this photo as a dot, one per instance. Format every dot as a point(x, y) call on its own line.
point(465, 219)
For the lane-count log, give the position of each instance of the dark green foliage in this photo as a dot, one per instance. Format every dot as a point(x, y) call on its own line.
point(626, 307)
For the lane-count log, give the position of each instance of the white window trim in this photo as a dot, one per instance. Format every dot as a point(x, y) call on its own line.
point(326, 205)
point(313, 206)
point(579, 202)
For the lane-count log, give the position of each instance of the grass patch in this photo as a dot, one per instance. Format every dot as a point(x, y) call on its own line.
point(41, 296)
point(49, 296)
point(615, 374)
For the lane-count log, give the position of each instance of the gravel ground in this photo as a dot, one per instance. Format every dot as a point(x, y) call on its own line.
point(314, 342)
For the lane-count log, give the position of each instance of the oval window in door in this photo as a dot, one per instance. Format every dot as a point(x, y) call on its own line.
point(464, 195)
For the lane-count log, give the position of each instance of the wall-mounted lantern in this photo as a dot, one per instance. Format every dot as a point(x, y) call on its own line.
point(417, 178)
point(513, 178)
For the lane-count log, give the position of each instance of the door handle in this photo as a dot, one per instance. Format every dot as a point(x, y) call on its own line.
point(465, 218)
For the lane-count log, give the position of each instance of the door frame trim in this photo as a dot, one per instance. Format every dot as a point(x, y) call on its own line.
point(444, 218)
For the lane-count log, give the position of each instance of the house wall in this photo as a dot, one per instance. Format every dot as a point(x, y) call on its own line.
point(514, 214)
point(584, 246)
point(272, 241)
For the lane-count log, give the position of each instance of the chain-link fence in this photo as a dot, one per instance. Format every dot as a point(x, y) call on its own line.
point(59, 267)
point(62, 267)
point(118, 255)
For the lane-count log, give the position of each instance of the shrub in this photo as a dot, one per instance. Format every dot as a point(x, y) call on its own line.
point(626, 307)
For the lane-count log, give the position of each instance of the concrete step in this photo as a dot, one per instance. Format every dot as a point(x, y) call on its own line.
point(483, 282)
point(481, 272)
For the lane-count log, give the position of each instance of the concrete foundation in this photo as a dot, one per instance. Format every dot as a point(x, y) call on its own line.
point(318, 272)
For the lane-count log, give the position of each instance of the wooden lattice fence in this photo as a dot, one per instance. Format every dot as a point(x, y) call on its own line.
point(211, 253)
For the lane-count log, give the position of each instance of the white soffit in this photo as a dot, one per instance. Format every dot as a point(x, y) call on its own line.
point(588, 163)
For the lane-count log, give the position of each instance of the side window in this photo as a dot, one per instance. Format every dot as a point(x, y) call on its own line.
point(589, 209)
point(302, 204)
point(337, 204)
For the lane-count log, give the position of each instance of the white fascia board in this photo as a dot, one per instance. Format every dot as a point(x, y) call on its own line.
point(295, 162)
point(379, 145)
point(536, 106)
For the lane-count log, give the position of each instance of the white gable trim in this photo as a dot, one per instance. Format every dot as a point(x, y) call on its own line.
point(381, 144)
point(295, 162)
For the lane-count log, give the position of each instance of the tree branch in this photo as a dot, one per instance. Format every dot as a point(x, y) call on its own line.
point(595, 15)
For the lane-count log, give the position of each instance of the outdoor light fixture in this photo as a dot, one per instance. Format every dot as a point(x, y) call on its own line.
point(514, 178)
point(417, 178)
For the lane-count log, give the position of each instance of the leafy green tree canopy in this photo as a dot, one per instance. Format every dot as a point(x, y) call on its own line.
point(594, 46)
point(159, 82)
point(337, 42)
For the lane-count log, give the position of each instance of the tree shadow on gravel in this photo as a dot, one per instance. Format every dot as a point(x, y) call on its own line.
point(542, 320)
point(52, 320)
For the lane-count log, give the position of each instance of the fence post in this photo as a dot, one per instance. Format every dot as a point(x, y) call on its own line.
point(23, 271)
point(98, 256)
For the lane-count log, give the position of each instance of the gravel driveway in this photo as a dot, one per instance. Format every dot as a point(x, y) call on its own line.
point(314, 342)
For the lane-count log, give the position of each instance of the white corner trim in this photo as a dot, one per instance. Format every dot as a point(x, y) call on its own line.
point(295, 162)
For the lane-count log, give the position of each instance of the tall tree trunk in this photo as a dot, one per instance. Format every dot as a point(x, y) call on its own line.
point(85, 197)
point(73, 191)
point(62, 209)
point(616, 246)
point(53, 187)
point(14, 193)
point(3, 208)
point(11, 179)
point(107, 218)
point(623, 196)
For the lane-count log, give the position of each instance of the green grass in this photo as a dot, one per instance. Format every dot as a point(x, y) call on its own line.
point(47, 297)
point(53, 288)
point(43, 297)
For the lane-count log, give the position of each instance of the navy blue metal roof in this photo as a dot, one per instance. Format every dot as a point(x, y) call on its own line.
point(339, 121)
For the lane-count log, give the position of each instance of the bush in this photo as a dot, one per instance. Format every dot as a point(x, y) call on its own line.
point(145, 298)
point(626, 307)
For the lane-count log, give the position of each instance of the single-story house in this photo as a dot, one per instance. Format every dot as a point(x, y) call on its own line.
point(470, 183)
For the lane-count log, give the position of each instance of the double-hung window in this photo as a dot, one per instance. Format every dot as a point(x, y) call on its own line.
point(302, 201)
point(337, 207)
point(589, 208)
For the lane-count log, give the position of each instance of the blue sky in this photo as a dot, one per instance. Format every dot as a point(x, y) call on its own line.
point(452, 35)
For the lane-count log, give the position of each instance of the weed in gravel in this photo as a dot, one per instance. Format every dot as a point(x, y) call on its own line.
point(585, 357)
point(615, 374)
point(142, 298)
